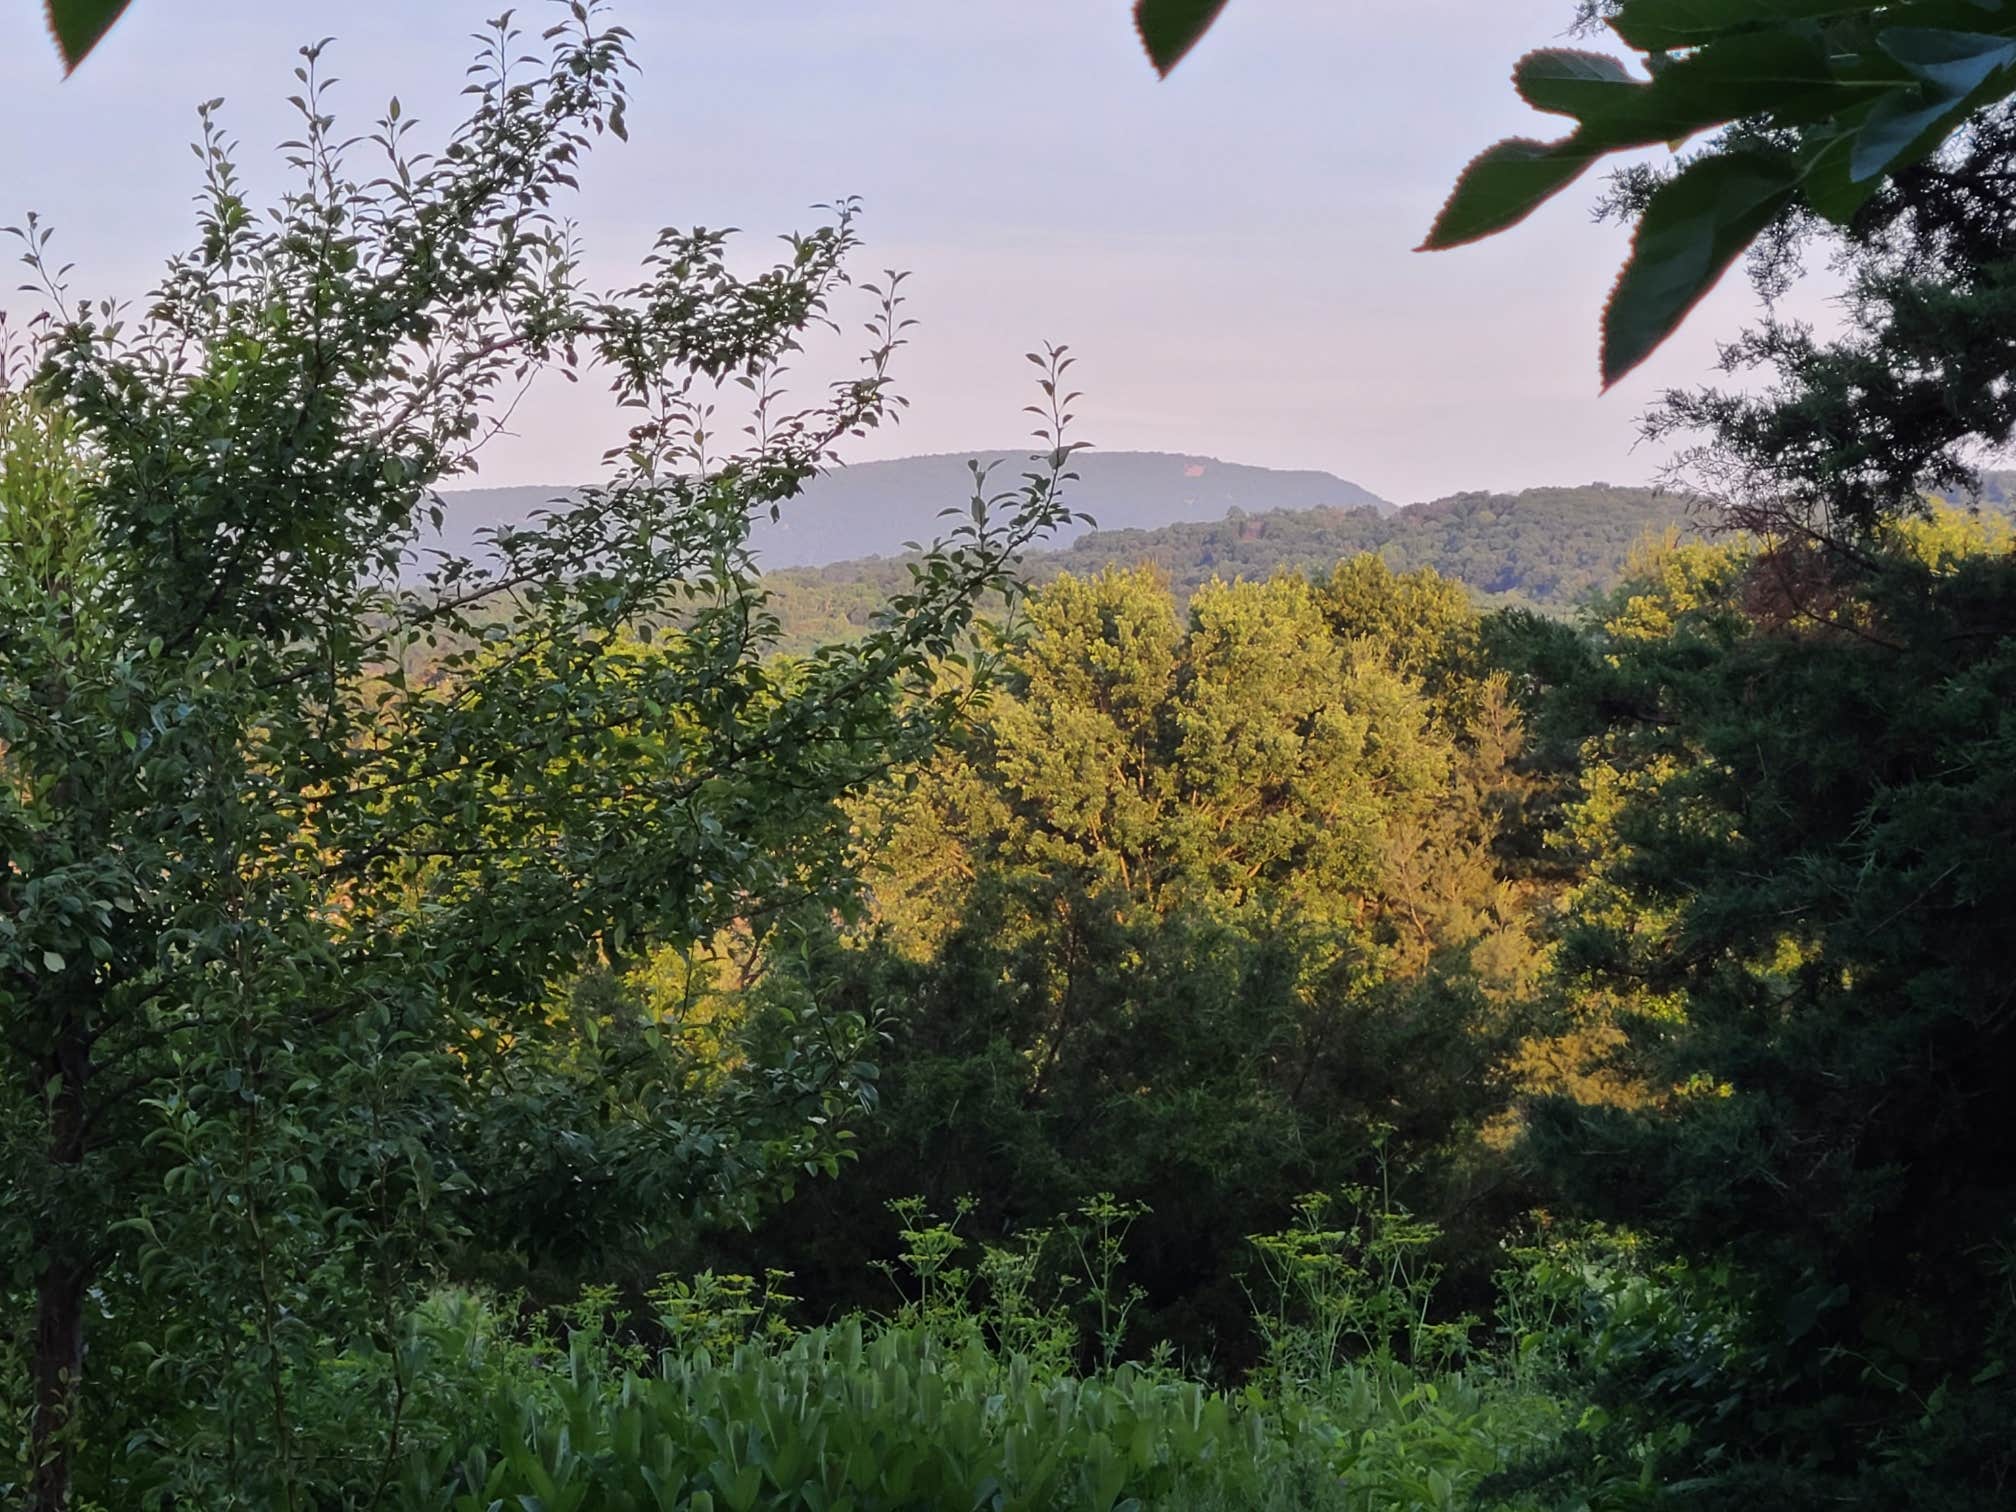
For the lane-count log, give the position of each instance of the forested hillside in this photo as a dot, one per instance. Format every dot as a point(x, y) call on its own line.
point(1548, 549)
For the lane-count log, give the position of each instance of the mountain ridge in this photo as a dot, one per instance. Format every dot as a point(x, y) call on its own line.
point(875, 509)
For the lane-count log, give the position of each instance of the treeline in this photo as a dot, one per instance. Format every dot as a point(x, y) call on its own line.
point(1545, 548)
point(1342, 886)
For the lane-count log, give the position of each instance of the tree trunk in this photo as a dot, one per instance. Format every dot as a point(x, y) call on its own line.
point(58, 1363)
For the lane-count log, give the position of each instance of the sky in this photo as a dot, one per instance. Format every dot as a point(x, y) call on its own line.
point(1229, 252)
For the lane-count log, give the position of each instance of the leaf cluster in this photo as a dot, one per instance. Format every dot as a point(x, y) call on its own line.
point(1808, 105)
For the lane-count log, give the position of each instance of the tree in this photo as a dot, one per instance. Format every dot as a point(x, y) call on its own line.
point(1253, 764)
point(1060, 1043)
point(307, 832)
point(1188, 914)
point(1791, 814)
point(1794, 762)
point(1848, 434)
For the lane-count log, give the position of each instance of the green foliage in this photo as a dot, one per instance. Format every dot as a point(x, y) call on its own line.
point(1792, 923)
point(1254, 765)
point(869, 1420)
point(719, 1313)
point(940, 1405)
point(306, 867)
point(1353, 1287)
point(369, 951)
point(1170, 28)
point(1189, 915)
point(1816, 105)
point(1785, 766)
point(1547, 549)
point(1846, 434)
point(80, 25)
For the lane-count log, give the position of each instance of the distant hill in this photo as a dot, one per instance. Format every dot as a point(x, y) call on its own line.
point(1546, 548)
point(873, 508)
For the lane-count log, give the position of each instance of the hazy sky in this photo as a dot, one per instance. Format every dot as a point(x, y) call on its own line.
point(1228, 252)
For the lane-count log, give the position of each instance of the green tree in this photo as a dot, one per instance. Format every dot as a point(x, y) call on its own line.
point(302, 853)
point(1189, 913)
point(1077, 754)
point(1794, 764)
point(1843, 435)
point(1254, 763)
point(1791, 813)
point(1060, 1043)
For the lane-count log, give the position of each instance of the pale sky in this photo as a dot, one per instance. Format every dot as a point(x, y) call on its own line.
point(1228, 252)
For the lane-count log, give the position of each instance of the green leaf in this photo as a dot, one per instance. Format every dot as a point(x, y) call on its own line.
point(1898, 122)
point(1665, 25)
point(1691, 232)
point(1951, 66)
point(1828, 187)
point(80, 25)
point(1762, 73)
point(1954, 63)
point(53, 960)
point(1170, 28)
point(1567, 81)
point(1502, 186)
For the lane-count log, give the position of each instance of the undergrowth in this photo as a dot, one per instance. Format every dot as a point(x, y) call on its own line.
point(1005, 1378)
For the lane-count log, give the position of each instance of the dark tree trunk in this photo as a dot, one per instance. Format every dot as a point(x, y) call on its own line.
point(58, 1364)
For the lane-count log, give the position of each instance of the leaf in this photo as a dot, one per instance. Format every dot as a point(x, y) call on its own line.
point(1898, 121)
point(1170, 28)
point(1761, 73)
point(1954, 63)
point(1950, 67)
point(1828, 187)
point(1690, 233)
point(1503, 185)
point(1567, 81)
point(1666, 25)
point(53, 961)
point(1803, 1309)
point(80, 25)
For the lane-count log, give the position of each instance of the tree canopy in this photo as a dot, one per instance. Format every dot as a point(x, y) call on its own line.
point(300, 858)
